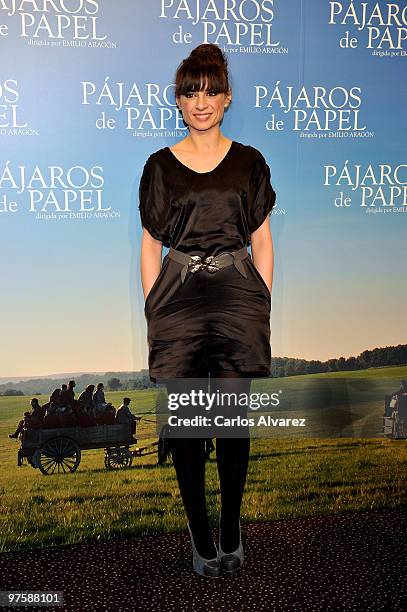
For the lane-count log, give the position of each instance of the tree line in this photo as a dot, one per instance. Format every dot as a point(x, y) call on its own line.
point(280, 366)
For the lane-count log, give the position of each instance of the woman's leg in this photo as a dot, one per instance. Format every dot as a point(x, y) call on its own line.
point(188, 456)
point(232, 456)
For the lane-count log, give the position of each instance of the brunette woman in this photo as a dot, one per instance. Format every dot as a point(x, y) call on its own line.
point(207, 304)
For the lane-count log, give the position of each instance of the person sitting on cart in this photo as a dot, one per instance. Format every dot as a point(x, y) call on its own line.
point(56, 394)
point(51, 419)
point(99, 400)
point(67, 396)
point(124, 415)
point(85, 401)
point(68, 408)
point(85, 410)
point(31, 420)
point(53, 401)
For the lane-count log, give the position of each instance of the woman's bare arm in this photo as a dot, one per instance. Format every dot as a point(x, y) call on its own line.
point(262, 252)
point(151, 250)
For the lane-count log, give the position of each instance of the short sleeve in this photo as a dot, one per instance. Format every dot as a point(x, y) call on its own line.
point(261, 195)
point(154, 201)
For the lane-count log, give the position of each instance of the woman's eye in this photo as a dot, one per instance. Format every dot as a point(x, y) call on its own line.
point(189, 94)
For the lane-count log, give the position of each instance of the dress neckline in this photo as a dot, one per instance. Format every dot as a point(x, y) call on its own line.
point(232, 144)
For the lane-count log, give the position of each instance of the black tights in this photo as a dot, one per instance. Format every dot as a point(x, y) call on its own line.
point(232, 457)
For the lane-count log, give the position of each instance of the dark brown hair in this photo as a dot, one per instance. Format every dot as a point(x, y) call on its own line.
point(206, 62)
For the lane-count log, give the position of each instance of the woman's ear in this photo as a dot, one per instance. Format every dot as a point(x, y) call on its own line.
point(228, 99)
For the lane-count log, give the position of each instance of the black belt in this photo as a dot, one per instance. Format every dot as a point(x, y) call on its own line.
point(212, 263)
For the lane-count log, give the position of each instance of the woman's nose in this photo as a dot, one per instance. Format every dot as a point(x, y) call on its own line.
point(201, 102)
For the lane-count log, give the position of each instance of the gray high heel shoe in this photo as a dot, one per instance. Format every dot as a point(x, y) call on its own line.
point(204, 567)
point(230, 562)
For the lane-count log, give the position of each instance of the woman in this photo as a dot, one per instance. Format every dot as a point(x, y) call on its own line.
point(208, 303)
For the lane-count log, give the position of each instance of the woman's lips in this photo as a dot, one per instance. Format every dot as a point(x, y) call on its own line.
point(203, 117)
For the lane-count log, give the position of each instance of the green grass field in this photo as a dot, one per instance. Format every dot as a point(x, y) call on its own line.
point(289, 476)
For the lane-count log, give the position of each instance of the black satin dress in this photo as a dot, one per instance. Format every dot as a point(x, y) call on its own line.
point(216, 321)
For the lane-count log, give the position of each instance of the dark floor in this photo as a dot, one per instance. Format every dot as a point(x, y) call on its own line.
point(352, 562)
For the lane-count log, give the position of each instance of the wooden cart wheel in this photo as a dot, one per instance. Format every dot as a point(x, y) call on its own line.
point(118, 458)
point(61, 454)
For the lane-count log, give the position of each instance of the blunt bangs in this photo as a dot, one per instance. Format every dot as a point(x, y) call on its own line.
point(212, 79)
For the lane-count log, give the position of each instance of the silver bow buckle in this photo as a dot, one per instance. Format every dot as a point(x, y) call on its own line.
point(197, 263)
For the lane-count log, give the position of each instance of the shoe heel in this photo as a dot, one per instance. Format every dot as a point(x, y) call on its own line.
point(205, 567)
point(230, 562)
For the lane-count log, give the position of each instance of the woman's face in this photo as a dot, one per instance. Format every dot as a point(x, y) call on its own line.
point(202, 110)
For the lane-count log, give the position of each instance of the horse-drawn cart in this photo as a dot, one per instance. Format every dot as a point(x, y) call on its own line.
point(60, 449)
